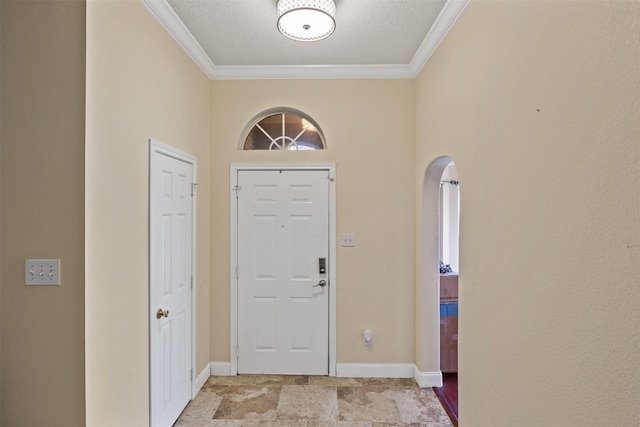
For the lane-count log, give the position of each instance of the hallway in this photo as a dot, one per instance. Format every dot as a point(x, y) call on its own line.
point(275, 400)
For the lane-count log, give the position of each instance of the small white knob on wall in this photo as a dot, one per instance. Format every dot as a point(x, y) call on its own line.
point(368, 337)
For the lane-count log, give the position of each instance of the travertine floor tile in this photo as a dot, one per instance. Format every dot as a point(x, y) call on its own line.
point(367, 404)
point(363, 382)
point(281, 379)
point(389, 382)
point(255, 423)
point(249, 402)
point(336, 381)
point(302, 401)
point(237, 380)
point(202, 408)
point(338, 424)
point(308, 402)
point(418, 406)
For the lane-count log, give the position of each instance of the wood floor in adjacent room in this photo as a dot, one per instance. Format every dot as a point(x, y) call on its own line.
point(311, 401)
point(448, 395)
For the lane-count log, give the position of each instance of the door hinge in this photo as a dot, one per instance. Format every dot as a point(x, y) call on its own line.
point(237, 353)
point(191, 374)
point(237, 189)
point(191, 282)
point(332, 176)
point(193, 188)
point(237, 272)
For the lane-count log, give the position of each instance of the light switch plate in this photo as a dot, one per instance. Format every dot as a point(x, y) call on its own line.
point(42, 272)
point(348, 240)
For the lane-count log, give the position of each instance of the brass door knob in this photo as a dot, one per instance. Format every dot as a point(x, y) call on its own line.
point(162, 313)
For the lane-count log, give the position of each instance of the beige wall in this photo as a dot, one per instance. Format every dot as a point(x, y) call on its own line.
point(42, 215)
point(537, 104)
point(140, 85)
point(368, 125)
point(1, 107)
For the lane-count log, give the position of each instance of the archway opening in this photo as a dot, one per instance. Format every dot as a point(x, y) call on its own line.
point(430, 250)
point(448, 247)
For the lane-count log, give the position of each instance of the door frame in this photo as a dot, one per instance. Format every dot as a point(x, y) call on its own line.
point(156, 147)
point(233, 252)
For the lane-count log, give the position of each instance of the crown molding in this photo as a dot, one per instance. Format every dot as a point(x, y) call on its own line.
point(166, 16)
point(292, 72)
point(444, 22)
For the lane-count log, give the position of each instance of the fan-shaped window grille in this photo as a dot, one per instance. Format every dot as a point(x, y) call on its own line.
point(283, 129)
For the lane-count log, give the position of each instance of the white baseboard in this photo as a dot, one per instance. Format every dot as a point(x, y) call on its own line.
point(353, 370)
point(202, 378)
point(221, 369)
point(211, 368)
point(427, 379)
point(375, 370)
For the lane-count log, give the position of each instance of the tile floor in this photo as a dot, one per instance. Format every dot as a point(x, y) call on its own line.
point(275, 400)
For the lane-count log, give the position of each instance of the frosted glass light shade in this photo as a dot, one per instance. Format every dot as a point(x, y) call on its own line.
point(306, 20)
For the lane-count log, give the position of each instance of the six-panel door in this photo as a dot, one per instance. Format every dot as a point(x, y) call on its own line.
point(170, 289)
point(283, 307)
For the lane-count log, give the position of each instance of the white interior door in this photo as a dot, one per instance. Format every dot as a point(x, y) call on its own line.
point(171, 271)
point(283, 296)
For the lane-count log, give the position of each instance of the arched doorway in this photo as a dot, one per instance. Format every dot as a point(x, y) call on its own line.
point(449, 226)
point(428, 290)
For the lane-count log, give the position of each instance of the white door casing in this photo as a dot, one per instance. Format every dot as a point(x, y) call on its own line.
point(171, 314)
point(283, 222)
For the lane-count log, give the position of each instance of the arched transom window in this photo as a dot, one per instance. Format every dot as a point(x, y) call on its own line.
point(283, 129)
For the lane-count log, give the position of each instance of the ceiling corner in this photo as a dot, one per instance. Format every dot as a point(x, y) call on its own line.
point(165, 15)
point(443, 24)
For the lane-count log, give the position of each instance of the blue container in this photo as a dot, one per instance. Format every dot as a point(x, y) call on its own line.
point(449, 309)
point(449, 337)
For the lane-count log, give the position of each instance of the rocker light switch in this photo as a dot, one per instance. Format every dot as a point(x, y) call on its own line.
point(42, 272)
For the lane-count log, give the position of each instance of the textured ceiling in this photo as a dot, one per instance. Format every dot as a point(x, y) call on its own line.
point(373, 38)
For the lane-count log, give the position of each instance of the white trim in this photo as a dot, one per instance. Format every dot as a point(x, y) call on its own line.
point(233, 279)
point(158, 147)
point(317, 72)
point(202, 378)
point(333, 221)
point(375, 370)
point(233, 301)
point(166, 16)
point(444, 22)
point(390, 370)
point(427, 379)
point(349, 370)
point(220, 369)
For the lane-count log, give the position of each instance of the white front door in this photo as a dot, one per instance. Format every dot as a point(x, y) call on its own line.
point(283, 293)
point(171, 270)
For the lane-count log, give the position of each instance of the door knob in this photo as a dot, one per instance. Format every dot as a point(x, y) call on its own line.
point(321, 283)
point(162, 313)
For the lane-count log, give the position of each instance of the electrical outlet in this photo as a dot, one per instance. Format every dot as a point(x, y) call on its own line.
point(367, 338)
point(42, 272)
point(348, 239)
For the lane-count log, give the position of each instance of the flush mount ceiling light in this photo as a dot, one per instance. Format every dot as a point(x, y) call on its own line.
point(306, 20)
